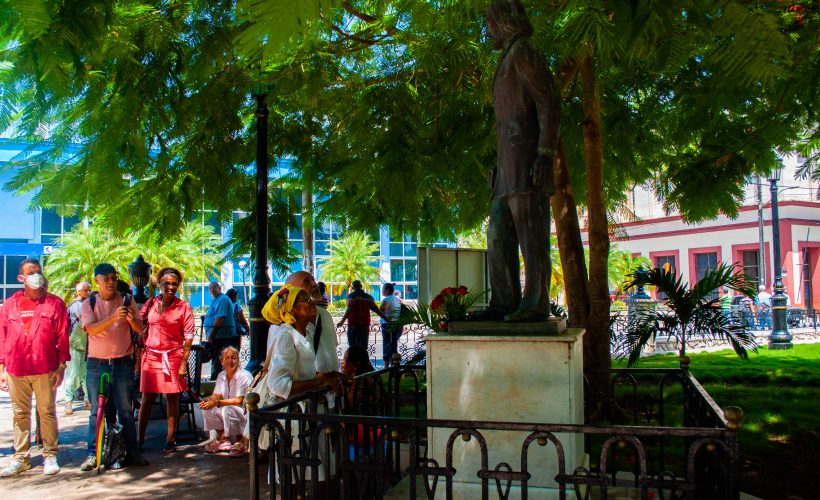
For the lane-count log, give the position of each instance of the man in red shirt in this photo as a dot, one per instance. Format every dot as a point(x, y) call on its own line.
point(357, 314)
point(33, 355)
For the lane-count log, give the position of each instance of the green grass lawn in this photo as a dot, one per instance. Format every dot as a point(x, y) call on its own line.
point(779, 392)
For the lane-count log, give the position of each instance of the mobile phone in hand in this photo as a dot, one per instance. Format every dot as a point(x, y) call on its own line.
point(126, 301)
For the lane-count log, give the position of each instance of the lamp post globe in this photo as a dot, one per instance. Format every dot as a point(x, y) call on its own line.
point(140, 273)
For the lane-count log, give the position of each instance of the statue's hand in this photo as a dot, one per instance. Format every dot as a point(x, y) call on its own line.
point(541, 173)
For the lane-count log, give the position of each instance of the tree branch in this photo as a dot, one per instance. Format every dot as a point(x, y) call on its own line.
point(358, 14)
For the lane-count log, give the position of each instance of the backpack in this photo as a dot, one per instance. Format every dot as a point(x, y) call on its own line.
point(78, 338)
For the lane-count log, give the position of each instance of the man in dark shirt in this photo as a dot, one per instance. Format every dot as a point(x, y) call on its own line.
point(359, 305)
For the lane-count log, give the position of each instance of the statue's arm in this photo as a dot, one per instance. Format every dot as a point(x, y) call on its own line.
point(536, 78)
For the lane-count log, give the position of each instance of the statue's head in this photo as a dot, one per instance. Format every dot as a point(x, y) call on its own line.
point(507, 20)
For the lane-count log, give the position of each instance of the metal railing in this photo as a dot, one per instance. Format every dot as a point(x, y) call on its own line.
point(662, 436)
point(801, 322)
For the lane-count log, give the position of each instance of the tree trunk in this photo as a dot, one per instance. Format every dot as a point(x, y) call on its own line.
point(570, 247)
point(597, 361)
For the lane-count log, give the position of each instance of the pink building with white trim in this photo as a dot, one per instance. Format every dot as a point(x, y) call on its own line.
point(692, 248)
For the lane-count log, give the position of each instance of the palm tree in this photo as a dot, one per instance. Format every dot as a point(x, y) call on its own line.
point(620, 265)
point(351, 258)
point(194, 252)
point(692, 312)
point(82, 249)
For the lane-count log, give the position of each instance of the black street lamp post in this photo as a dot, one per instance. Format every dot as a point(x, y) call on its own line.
point(261, 282)
point(780, 337)
point(242, 264)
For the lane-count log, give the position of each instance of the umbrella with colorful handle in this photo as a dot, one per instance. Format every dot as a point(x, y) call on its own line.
point(100, 430)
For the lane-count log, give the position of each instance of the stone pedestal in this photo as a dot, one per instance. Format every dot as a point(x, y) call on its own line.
point(488, 372)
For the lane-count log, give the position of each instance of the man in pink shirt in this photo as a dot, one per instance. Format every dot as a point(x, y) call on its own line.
point(33, 356)
point(108, 318)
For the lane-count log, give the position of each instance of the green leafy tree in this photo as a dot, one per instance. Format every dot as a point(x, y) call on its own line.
point(194, 252)
point(695, 311)
point(386, 105)
point(351, 258)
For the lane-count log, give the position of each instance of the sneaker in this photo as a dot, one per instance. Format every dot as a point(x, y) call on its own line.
point(69, 410)
point(89, 464)
point(14, 468)
point(50, 466)
point(213, 446)
point(87, 405)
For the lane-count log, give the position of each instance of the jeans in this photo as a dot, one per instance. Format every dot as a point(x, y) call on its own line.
point(120, 390)
point(358, 335)
point(390, 342)
point(764, 319)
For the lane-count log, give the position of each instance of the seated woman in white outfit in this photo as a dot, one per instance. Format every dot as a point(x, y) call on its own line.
point(223, 410)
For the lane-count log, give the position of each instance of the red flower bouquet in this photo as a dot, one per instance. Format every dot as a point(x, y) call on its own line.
point(451, 304)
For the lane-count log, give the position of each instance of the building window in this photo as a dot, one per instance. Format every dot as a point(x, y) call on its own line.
point(403, 264)
point(751, 264)
point(665, 262)
point(705, 262)
point(53, 225)
point(10, 285)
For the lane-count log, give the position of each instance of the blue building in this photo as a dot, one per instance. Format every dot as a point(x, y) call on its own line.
point(34, 233)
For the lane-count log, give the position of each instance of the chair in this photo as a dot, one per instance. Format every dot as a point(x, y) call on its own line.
point(194, 379)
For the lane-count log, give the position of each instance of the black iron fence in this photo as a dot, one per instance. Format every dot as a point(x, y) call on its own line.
point(662, 436)
point(802, 325)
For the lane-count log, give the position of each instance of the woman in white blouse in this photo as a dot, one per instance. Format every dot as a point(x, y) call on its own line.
point(292, 368)
point(223, 410)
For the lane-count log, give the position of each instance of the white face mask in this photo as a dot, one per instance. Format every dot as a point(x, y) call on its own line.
point(35, 281)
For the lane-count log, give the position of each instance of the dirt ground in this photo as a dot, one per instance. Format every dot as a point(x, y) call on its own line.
point(188, 473)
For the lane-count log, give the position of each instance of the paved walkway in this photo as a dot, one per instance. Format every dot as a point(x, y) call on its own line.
point(189, 473)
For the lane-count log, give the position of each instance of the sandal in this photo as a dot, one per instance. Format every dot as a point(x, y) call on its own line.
point(170, 447)
point(213, 446)
point(239, 449)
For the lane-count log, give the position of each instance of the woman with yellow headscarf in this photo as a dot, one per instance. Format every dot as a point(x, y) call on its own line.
point(292, 367)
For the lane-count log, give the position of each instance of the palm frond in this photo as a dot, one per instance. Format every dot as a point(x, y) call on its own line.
point(693, 313)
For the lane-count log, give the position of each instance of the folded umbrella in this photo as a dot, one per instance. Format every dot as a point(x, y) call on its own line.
point(100, 429)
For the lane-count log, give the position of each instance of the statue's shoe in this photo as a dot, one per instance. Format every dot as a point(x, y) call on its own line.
point(526, 316)
point(486, 315)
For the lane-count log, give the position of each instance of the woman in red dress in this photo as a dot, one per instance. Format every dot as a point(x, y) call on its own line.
point(167, 346)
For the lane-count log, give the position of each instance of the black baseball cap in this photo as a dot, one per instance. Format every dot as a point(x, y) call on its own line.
point(104, 268)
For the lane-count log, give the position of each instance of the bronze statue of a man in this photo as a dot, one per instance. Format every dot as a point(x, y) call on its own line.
point(527, 109)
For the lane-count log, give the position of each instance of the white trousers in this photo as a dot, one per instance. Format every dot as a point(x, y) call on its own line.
point(229, 419)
